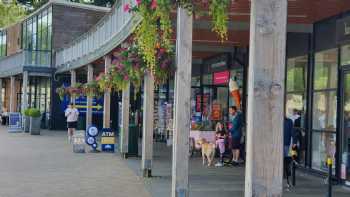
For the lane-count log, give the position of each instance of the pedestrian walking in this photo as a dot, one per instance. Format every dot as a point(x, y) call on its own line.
point(72, 115)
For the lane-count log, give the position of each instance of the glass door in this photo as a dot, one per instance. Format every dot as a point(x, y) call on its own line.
point(345, 126)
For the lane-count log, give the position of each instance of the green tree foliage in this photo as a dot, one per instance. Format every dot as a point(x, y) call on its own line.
point(10, 13)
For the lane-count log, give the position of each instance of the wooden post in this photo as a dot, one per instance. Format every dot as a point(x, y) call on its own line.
point(25, 91)
point(124, 130)
point(90, 78)
point(148, 115)
point(73, 81)
point(12, 93)
point(1, 101)
point(182, 104)
point(107, 98)
point(264, 167)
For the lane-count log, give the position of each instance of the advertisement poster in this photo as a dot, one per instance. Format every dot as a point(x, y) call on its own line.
point(216, 112)
point(198, 103)
point(15, 122)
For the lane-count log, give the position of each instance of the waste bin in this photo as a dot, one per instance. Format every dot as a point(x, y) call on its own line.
point(134, 132)
point(81, 123)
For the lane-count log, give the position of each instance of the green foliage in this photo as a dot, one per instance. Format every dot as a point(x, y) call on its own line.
point(26, 112)
point(218, 10)
point(35, 113)
point(10, 13)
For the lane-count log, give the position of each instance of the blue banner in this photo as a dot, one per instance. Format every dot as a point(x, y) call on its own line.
point(15, 122)
point(80, 104)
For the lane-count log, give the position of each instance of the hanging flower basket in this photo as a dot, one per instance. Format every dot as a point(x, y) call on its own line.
point(61, 91)
point(91, 89)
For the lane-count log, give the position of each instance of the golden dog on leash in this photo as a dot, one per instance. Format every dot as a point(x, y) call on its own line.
point(208, 151)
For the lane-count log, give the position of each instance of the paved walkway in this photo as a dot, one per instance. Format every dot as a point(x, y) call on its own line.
point(44, 166)
point(220, 182)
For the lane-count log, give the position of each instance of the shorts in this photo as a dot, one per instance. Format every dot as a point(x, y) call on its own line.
point(72, 125)
point(236, 143)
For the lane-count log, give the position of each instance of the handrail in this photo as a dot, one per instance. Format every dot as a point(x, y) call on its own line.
point(108, 28)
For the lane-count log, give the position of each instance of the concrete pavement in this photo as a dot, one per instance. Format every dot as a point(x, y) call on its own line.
point(44, 166)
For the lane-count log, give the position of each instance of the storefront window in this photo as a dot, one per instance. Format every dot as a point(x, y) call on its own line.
point(323, 146)
point(345, 55)
point(324, 112)
point(3, 43)
point(196, 81)
point(207, 79)
point(326, 70)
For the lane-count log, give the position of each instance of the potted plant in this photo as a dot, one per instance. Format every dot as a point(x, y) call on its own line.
point(26, 120)
point(35, 121)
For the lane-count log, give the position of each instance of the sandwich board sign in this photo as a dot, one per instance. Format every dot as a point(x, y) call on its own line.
point(107, 140)
point(15, 122)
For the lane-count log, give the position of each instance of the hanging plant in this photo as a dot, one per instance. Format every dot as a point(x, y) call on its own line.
point(127, 67)
point(218, 10)
point(75, 90)
point(156, 31)
point(61, 91)
point(104, 82)
point(91, 89)
point(165, 66)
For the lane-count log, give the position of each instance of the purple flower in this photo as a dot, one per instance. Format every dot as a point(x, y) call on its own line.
point(126, 7)
point(138, 2)
point(126, 77)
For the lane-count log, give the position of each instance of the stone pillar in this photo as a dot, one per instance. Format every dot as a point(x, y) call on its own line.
point(124, 130)
point(25, 81)
point(148, 115)
point(90, 78)
point(107, 98)
point(267, 55)
point(73, 81)
point(12, 94)
point(180, 186)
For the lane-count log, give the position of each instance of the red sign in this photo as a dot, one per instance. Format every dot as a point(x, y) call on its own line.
point(216, 112)
point(221, 77)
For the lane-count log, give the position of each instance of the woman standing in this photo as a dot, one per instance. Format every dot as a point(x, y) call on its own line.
point(72, 115)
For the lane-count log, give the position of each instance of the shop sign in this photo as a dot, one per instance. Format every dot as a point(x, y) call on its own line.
point(91, 134)
point(216, 112)
point(80, 104)
point(15, 122)
point(221, 77)
point(343, 30)
point(107, 140)
point(198, 103)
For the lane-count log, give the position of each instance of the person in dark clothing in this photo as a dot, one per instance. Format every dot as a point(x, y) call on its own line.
point(288, 138)
point(236, 132)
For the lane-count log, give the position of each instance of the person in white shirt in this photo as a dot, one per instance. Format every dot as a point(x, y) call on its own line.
point(72, 115)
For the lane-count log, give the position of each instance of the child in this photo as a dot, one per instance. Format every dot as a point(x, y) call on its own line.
point(220, 142)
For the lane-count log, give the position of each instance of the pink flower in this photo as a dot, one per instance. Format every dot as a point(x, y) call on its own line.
point(154, 4)
point(138, 2)
point(126, 77)
point(127, 7)
point(115, 62)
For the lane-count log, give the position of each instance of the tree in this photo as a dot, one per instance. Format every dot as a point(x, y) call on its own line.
point(10, 13)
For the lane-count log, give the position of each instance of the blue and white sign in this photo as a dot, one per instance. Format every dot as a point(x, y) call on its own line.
point(15, 122)
point(91, 134)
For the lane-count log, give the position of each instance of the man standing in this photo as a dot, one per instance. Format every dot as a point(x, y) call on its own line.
point(72, 115)
point(236, 132)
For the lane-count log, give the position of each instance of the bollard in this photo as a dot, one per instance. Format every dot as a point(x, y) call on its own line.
point(329, 164)
point(294, 154)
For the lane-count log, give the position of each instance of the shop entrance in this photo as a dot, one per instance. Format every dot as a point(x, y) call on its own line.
point(345, 125)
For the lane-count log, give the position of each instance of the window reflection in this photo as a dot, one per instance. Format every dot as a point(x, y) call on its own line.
point(326, 69)
point(3, 41)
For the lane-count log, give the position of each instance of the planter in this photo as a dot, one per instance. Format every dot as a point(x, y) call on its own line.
point(26, 124)
point(34, 127)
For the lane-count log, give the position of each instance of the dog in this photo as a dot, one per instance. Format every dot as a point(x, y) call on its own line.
point(208, 151)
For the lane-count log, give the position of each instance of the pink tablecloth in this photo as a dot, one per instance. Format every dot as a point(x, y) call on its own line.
point(208, 135)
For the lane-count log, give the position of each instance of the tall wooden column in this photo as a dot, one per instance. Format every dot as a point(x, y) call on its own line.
point(107, 98)
point(148, 115)
point(73, 81)
point(12, 94)
point(1, 101)
point(124, 132)
point(25, 79)
point(182, 104)
point(90, 78)
point(264, 167)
